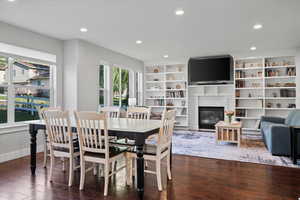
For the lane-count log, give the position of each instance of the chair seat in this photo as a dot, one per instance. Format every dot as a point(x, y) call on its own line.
point(113, 151)
point(63, 149)
point(122, 142)
point(149, 149)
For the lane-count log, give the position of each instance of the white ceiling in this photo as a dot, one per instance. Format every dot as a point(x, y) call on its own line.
point(207, 27)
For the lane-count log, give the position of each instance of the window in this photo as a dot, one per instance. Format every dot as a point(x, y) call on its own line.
point(102, 77)
point(120, 81)
point(25, 86)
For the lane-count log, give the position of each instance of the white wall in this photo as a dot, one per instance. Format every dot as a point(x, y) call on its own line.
point(24, 38)
point(89, 57)
point(14, 142)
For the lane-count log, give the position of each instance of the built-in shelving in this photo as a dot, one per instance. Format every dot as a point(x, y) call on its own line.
point(264, 86)
point(166, 88)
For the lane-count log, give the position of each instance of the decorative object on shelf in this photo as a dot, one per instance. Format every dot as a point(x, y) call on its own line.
point(259, 74)
point(229, 115)
point(179, 69)
point(278, 105)
point(178, 86)
point(274, 94)
point(249, 95)
point(156, 79)
point(156, 70)
point(269, 105)
point(292, 105)
point(171, 77)
point(182, 103)
point(170, 104)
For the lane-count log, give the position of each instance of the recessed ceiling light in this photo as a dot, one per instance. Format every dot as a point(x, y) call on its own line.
point(139, 41)
point(179, 12)
point(257, 26)
point(166, 56)
point(253, 48)
point(84, 30)
point(11, 0)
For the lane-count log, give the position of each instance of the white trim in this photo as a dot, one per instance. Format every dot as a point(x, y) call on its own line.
point(18, 153)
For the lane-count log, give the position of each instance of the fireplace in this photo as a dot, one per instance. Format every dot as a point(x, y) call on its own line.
point(209, 116)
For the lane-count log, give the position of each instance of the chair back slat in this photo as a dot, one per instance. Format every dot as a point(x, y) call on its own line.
point(166, 130)
point(138, 113)
point(58, 127)
point(92, 131)
point(111, 111)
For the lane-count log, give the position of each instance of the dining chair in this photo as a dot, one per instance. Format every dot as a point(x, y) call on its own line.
point(111, 111)
point(61, 140)
point(95, 147)
point(46, 140)
point(138, 113)
point(156, 153)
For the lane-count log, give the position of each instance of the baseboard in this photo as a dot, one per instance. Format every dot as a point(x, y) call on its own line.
point(18, 154)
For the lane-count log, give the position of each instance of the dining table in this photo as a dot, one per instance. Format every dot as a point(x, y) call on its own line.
point(133, 129)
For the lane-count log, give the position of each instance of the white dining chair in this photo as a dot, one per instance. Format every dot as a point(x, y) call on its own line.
point(156, 153)
point(138, 113)
point(46, 140)
point(61, 140)
point(95, 147)
point(110, 111)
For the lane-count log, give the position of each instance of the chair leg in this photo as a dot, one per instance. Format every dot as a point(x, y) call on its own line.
point(95, 169)
point(71, 171)
point(169, 167)
point(128, 170)
point(45, 154)
point(135, 171)
point(52, 160)
point(158, 174)
point(106, 178)
point(63, 164)
point(82, 173)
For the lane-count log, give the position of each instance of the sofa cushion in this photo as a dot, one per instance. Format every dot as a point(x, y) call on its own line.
point(293, 118)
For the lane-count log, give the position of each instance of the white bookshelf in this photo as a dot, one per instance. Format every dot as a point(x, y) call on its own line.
point(264, 86)
point(166, 88)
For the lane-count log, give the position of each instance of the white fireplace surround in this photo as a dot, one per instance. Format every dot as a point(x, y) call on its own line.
point(209, 96)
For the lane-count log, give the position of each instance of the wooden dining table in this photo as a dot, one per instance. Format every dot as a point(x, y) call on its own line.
point(134, 129)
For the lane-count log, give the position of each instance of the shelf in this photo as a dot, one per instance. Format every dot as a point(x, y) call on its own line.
point(174, 81)
point(248, 118)
point(269, 88)
point(249, 98)
point(179, 98)
point(175, 89)
point(248, 108)
point(250, 88)
point(278, 77)
point(156, 106)
point(155, 98)
point(152, 90)
point(249, 78)
point(152, 73)
point(174, 73)
point(176, 106)
point(280, 98)
point(181, 115)
point(275, 67)
point(280, 108)
point(155, 81)
point(249, 68)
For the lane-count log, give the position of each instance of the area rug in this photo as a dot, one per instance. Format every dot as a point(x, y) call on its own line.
point(203, 144)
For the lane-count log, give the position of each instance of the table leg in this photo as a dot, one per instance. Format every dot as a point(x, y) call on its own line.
point(294, 146)
point(140, 171)
point(33, 134)
point(171, 155)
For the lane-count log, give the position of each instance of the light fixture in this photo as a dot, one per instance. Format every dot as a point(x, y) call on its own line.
point(139, 41)
point(257, 26)
point(84, 30)
point(179, 12)
point(253, 48)
point(11, 0)
point(166, 56)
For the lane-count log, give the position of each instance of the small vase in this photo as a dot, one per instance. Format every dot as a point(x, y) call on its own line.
point(229, 119)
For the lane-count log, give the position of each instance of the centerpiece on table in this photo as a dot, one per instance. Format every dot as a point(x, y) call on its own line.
point(229, 114)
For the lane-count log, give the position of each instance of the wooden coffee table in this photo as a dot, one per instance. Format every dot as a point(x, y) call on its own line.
point(226, 132)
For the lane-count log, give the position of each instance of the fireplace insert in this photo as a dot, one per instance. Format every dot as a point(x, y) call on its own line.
point(209, 116)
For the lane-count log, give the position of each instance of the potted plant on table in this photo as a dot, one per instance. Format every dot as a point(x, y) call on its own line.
point(229, 115)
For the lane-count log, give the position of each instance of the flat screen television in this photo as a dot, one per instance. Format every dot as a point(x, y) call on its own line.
point(210, 70)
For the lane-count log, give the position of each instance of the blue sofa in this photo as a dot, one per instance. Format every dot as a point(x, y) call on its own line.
point(276, 132)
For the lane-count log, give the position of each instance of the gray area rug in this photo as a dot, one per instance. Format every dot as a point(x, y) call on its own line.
point(202, 144)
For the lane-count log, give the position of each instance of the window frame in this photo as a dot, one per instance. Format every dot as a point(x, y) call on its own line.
point(11, 87)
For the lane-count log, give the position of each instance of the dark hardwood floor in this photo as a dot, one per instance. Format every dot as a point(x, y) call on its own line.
point(193, 178)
